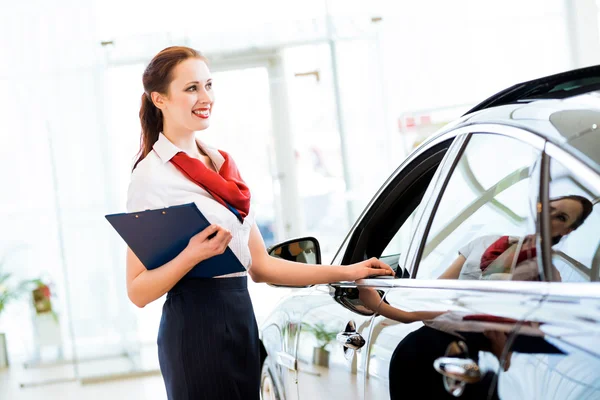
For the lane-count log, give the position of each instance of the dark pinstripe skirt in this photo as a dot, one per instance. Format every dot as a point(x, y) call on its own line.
point(208, 345)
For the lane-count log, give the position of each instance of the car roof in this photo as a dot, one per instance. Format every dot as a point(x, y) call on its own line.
point(557, 86)
point(563, 109)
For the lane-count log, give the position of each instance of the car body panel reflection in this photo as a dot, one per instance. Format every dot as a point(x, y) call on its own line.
point(413, 332)
point(325, 370)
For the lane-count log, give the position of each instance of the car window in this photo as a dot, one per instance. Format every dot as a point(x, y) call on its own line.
point(574, 221)
point(399, 243)
point(484, 225)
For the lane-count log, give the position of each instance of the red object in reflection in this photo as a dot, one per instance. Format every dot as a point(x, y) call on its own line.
point(45, 291)
point(489, 318)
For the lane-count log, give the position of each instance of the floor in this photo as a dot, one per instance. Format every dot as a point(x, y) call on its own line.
point(123, 378)
point(114, 378)
point(147, 388)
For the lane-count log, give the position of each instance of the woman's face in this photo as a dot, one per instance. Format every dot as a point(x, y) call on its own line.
point(563, 213)
point(189, 102)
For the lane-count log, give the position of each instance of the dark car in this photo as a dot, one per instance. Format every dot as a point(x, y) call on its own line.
point(492, 229)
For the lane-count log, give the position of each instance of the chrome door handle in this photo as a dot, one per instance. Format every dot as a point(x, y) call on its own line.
point(287, 360)
point(460, 369)
point(351, 340)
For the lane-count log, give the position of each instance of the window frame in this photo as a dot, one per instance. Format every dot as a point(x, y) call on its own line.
point(358, 244)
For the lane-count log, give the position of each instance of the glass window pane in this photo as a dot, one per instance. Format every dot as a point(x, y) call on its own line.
point(484, 226)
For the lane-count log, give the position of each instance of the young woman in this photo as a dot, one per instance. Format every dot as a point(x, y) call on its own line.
point(208, 339)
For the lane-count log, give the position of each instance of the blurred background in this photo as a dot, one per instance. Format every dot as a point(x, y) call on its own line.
point(318, 101)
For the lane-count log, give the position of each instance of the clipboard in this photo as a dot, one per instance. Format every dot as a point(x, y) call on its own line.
point(158, 236)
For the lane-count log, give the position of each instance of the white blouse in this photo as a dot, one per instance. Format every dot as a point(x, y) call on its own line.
point(473, 251)
point(157, 183)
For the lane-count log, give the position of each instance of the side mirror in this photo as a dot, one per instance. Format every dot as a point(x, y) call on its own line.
point(304, 250)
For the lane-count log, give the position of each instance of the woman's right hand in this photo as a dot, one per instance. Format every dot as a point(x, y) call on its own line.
point(367, 268)
point(208, 243)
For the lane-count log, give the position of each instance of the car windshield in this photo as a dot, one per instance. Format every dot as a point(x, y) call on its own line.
point(561, 90)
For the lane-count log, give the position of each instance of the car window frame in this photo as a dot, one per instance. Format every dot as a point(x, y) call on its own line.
point(354, 243)
point(371, 215)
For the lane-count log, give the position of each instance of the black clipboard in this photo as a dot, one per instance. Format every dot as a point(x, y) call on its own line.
point(158, 236)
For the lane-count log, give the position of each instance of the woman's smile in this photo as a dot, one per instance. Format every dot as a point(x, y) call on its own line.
point(203, 112)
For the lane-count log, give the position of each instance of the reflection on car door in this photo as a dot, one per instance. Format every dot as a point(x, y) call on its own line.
point(333, 332)
point(460, 311)
point(279, 337)
point(402, 350)
point(568, 366)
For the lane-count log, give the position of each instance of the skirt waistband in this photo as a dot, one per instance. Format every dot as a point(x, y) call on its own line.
point(191, 284)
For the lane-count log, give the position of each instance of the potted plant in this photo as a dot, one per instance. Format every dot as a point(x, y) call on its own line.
point(324, 336)
point(41, 298)
point(10, 291)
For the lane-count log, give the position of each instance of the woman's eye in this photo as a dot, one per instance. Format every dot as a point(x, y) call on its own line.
point(191, 88)
point(209, 86)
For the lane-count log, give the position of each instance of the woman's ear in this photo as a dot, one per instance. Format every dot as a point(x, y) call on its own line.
point(158, 100)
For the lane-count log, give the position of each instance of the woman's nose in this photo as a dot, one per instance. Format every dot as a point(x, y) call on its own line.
point(204, 96)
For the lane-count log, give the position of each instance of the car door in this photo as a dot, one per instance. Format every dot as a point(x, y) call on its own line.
point(486, 194)
point(568, 365)
point(330, 356)
point(326, 367)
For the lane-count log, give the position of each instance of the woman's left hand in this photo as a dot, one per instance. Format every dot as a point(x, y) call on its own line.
point(367, 268)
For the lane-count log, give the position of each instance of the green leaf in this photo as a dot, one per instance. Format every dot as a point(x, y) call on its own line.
point(322, 333)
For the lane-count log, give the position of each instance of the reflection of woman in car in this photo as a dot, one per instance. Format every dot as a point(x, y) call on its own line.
point(493, 254)
point(373, 301)
point(289, 251)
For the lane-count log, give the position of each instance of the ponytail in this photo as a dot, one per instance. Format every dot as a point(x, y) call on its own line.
point(152, 124)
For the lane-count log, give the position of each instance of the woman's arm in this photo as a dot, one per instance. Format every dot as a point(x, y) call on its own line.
point(278, 271)
point(144, 286)
point(453, 270)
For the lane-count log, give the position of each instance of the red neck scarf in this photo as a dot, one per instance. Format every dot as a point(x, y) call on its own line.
point(226, 186)
point(499, 247)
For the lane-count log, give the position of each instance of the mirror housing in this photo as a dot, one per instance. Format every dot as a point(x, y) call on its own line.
point(305, 250)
